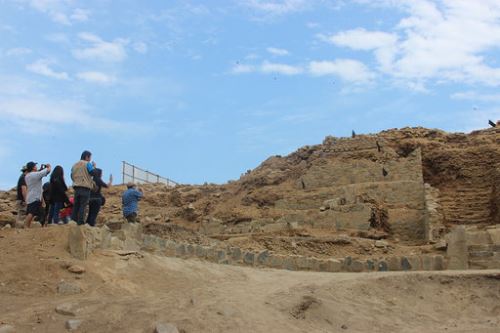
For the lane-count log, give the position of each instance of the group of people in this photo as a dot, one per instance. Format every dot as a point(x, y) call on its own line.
point(50, 202)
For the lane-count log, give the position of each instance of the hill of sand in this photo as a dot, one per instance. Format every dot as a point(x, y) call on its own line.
point(131, 292)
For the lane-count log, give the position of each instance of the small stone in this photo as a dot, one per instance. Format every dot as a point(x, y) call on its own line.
point(381, 244)
point(7, 226)
point(442, 245)
point(66, 288)
point(166, 328)
point(36, 225)
point(322, 208)
point(66, 309)
point(77, 269)
point(344, 327)
point(7, 329)
point(73, 324)
point(65, 264)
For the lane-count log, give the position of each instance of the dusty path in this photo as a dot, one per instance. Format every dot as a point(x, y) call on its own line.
point(131, 293)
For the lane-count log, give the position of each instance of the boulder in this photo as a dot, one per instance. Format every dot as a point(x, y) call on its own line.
point(77, 269)
point(66, 288)
point(7, 329)
point(66, 309)
point(166, 328)
point(73, 324)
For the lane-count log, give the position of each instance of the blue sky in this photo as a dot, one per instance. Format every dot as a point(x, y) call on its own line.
point(201, 91)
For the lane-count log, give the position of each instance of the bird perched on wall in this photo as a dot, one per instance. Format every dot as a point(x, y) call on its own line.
point(353, 135)
point(384, 172)
point(492, 124)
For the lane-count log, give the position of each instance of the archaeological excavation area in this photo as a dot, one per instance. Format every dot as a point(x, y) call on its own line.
point(397, 231)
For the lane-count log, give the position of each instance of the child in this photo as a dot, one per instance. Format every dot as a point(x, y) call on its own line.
point(65, 214)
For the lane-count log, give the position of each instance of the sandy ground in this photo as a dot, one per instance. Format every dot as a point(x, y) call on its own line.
point(131, 293)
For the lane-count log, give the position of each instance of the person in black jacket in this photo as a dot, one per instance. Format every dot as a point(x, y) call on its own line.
point(58, 196)
point(96, 197)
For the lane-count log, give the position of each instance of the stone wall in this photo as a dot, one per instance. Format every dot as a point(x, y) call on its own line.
point(474, 248)
point(237, 256)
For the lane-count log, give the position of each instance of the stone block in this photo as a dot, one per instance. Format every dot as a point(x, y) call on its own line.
point(221, 255)
point(212, 254)
point(165, 328)
point(115, 243)
point(382, 266)
point(249, 258)
point(170, 248)
point(478, 237)
point(405, 264)
point(73, 324)
point(371, 264)
point(290, 263)
point(190, 252)
point(4, 328)
point(200, 251)
point(67, 288)
point(357, 266)
point(303, 263)
point(235, 254)
point(427, 262)
point(275, 261)
point(262, 258)
point(394, 264)
point(346, 263)
point(439, 263)
point(180, 250)
point(457, 252)
point(415, 263)
point(79, 244)
point(494, 235)
point(330, 265)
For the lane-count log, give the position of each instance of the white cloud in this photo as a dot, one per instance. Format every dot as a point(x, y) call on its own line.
point(18, 51)
point(240, 69)
point(140, 47)
point(59, 11)
point(42, 67)
point(277, 7)
point(444, 40)
point(475, 96)
point(80, 15)
point(269, 68)
point(347, 69)
point(360, 39)
point(59, 17)
point(96, 77)
point(58, 38)
point(277, 52)
point(101, 50)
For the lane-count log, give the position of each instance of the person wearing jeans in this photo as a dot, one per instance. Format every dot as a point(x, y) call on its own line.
point(58, 195)
point(81, 174)
point(96, 197)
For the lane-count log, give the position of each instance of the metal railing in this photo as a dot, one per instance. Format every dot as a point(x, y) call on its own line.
point(131, 173)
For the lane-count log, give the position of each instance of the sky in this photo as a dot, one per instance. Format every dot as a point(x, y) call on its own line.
point(202, 91)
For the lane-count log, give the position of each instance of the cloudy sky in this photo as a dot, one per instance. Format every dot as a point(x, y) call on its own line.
point(201, 91)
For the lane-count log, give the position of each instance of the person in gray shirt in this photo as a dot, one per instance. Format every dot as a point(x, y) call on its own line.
point(34, 195)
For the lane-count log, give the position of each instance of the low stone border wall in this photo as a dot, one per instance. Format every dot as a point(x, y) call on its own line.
point(84, 239)
point(236, 256)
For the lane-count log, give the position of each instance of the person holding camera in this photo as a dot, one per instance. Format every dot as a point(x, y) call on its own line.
point(130, 202)
point(81, 174)
point(33, 180)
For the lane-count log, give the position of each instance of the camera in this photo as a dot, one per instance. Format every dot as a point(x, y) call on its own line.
point(43, 166)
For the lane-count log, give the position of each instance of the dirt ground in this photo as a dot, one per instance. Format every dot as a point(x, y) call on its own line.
point(130, 293)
